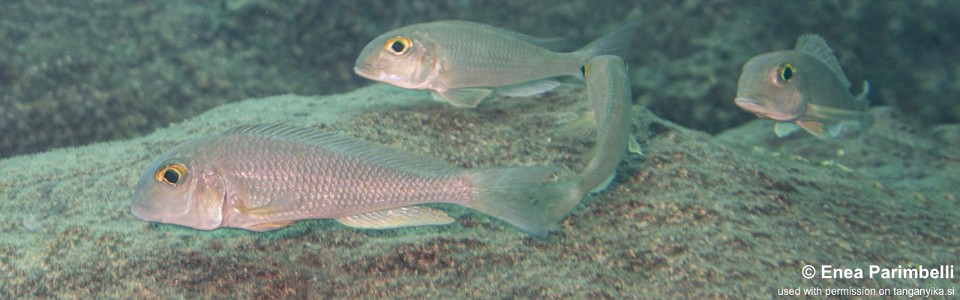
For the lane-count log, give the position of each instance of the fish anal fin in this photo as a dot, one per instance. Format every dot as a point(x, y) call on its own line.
point(529, 88)
point(464, 97)
point(268, 226)
point(397, 217)
point(782, 129)
point(813, 127)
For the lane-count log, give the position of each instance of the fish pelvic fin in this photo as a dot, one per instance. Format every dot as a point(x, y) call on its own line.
point(782, 129)
point(813, 127)
point(616, 42)
point(523, 197)
point(463, 97)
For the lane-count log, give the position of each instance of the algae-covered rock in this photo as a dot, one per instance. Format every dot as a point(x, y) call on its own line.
point(696, 217)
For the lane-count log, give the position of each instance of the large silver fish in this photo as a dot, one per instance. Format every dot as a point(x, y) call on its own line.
point(268, 176)
point(802, 87)
point(608, 88)
point(463, 62)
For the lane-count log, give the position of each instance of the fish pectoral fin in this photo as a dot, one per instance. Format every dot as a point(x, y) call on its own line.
point(397, 217)
point(813, 127)
point(278, 204)
point(782, 129)
point(529, 88)
point(268, 226)
point(634, 146)
point(464, 97)
point(583, 127)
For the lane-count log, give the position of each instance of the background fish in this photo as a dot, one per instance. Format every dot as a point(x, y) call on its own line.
point(804, 86)
point(463, 62)
point(267, 177)
point(608, 87)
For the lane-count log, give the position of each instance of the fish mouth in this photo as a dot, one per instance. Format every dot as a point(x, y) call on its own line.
point(368, 73)
point(365, 73)
point(753, 105)
point(747, 103)
point(758, 108)
point(144, 211)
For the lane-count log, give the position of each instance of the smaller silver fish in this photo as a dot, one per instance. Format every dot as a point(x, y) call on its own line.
point(268, 176)
point(802, 87)
point(608, 88)
point(463, 62)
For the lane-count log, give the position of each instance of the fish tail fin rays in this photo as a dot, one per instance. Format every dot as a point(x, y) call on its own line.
point(616, 42)
point(524, 197)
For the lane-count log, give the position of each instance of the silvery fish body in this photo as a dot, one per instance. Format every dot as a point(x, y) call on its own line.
point(802, 87)
point(463, 62)
point(608, 88)
point(268, 176)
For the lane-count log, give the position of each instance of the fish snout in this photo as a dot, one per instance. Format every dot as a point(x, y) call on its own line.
point(749, 104)
point(365, 72)
point(145, 211)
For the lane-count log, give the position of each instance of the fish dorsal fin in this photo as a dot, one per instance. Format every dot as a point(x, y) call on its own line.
point(815, 46)
point(397, 217)
point(351, 147)
point(555, 44)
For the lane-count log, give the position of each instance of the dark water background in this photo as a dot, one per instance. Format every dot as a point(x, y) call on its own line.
point(78, 72)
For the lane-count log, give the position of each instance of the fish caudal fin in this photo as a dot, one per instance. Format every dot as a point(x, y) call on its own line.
point(523, 197)
point(616, 42)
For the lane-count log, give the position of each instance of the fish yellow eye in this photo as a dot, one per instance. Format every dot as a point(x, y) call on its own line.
point(172, 173)
point(786, 72)
point(397, 45)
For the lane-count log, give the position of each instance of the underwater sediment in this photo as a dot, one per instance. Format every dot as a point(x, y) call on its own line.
point(696, 216)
